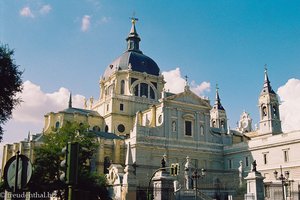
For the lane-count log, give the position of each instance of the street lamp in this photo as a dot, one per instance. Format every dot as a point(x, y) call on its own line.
point(283, 178)
point(195, 177)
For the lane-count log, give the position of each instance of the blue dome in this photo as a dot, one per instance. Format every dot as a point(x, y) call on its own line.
point(136, 61)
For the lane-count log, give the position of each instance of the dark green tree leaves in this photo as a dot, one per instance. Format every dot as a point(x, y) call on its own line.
point(10, 85)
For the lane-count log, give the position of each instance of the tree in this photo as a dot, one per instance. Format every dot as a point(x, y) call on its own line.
point(10, 85)
point(48, 157)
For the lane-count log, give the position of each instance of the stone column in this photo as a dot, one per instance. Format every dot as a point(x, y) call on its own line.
point(117, 151)
point(255, 185)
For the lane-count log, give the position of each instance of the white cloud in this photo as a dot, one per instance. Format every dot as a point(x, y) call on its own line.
point(290, 108)
point(85, 23)
point(36, 103)
point(175, 83)
point(201, 88)
point(29, 115)
point(26, 12)
point(45, 9)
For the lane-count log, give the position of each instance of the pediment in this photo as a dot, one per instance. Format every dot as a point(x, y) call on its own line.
point(188, 97)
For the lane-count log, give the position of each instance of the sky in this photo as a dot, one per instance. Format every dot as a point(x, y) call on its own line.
point(65, 46)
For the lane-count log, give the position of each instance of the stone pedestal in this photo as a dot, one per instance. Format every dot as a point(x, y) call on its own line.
point(255, 186)
point(163, 186)
point(128, 192)
point(129, 178)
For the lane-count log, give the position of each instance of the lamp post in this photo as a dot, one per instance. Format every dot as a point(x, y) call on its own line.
point(283, 178)
point(195, 177)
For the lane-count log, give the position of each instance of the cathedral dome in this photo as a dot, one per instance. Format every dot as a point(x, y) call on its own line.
point(133, 58)
point(134, 61)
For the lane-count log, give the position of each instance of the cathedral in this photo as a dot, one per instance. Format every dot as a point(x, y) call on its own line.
point(138, 122)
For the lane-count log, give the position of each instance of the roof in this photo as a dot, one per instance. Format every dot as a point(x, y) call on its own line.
point(217, 130)
point(39, 137)
point(80, 111)
point(132, 60)
point(107, 135)
point(251, 134)
point(267, 89)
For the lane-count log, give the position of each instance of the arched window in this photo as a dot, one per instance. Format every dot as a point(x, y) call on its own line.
point(96, 128)
point(144, 90)
point(264, 111)
point(222, 124)
point(152, 93)
point(106, 128)
point(57, 125)
point(122, 89)
point(214, 124)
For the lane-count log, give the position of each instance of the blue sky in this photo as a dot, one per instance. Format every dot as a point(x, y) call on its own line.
point(224, 42)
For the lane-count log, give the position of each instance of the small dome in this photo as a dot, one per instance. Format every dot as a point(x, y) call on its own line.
point(135, 61)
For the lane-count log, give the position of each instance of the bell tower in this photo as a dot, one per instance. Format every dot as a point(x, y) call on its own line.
point(268, 109)
point(218, 118)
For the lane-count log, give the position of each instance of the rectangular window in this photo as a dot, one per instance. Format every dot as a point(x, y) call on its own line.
point(229, 164)
point(107, 107)
point(246, 161)
point(265, 158)
point(188, 128)
point(286, 155)
point(121, 106)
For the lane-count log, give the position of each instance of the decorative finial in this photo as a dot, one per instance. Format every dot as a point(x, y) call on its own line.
point(91, 102)
point(70, 100)
point(133, 19)
point(217, 87)
point(266, 69)
point(133, 38)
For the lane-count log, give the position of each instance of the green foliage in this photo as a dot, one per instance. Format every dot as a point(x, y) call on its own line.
point(48, 157)
point(241, 190)
point(10, 85)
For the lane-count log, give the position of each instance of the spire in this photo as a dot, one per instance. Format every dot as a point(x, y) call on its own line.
point(133, 38)
point(267, 86)
point(218, 100)
point(70, 100)
point(129, 160)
